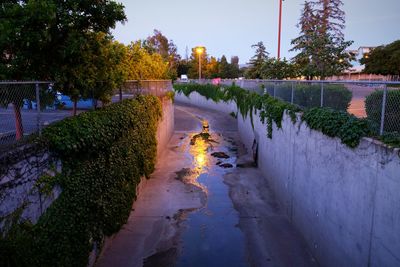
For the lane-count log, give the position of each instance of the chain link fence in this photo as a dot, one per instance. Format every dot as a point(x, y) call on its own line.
point(146, 87)
point(28, 107)
point(378, 102)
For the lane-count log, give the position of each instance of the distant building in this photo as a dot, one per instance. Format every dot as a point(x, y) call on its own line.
point(356, 72)
point(361, 52)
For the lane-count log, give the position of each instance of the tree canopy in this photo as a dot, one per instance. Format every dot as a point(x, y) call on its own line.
point(158, 43)
point(63, 41)
point(278, 69)
point(257, 61)
point(321, 44)
point(384, 60)
point(142, 65)
point(33, 47)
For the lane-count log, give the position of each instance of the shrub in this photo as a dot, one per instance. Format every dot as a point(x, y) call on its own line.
point(373, 106)
point(336, 123)
point(104, 153)
point(336, 96)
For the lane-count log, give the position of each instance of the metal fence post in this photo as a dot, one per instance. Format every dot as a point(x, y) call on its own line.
point(38, 115)
point(274, 89)
point(381, 129)
point(322, 95)
point(292, 96)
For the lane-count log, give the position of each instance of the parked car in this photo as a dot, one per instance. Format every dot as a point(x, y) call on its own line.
point(66, 102)
point(184, 78)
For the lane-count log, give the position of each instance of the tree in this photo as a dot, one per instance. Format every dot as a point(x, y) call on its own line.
point(224, 68)
point(110, 64)
point(194, 63)
point(332, 18)
point(183, 67)
point(78, 44)
point(93, 68)
point(142, 65)
point(278, 69)
point(213, 69)
point(52, 44)
point(321, 42)
point(257, 61)
point(158, 43)
point(384, 60)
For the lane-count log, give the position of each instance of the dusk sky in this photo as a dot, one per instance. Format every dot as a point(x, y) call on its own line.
point(230, 27)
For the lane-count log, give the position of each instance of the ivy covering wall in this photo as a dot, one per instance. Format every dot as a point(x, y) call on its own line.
point(334, 123)
point(104, 154)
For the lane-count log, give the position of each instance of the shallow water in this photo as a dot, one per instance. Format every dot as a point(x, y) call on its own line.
point(211, 236)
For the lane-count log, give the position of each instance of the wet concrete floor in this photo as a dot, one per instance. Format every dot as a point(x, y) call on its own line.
point(199, 209)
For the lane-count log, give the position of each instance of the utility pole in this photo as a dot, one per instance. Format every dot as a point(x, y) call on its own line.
point(199, 51)
point(279, 29)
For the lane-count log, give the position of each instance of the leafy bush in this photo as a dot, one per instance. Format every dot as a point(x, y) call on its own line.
point(373, 106)
point(104, 153)
point(336, 123)
point(336, 96)
point(391, 139)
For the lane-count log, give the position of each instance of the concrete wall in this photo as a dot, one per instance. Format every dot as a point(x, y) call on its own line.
point(20, 170)
point(200, 101)
point(345, 202)
point(166, 126)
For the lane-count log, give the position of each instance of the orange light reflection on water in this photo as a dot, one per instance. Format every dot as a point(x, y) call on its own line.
point(199, 152)
point(200, 162)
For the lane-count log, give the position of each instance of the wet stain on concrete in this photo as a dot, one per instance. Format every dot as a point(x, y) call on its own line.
point(180, 175)
point(165, 258)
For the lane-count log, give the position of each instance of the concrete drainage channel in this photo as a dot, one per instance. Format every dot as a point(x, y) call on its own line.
point(203, 210)
point(209, 234)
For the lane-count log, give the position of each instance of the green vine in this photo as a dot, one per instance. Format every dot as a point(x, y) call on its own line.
point(104, 153)
point(392, 139)
point(271, 110)
point(170, 95)
point(330, 121)
point(335, 123)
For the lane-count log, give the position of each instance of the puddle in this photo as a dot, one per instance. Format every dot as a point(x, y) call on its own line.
point(210, 235)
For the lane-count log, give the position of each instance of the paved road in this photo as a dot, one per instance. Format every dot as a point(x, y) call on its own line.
point(200, 210)
point(360, 93)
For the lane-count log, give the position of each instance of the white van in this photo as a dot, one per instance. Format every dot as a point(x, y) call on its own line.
point(184, 78)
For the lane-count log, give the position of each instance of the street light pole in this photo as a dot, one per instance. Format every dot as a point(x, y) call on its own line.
point(199, 51)
point(199, 66)
point(279, 29)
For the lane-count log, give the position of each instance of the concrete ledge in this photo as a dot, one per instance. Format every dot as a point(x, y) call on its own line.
point(197, 100)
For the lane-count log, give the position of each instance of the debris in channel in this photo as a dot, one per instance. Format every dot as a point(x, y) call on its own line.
point(226, 165)
point(220, 155)
point(204, 136)
point(180, 175)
